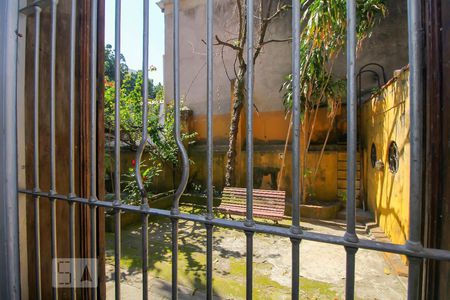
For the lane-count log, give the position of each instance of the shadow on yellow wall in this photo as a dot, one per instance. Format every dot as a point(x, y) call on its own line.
point(270, 131)
point(385, 119)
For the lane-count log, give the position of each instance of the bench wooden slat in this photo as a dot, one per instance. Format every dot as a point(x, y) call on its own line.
point(262, 199)
point(261, 205)
point(243, 210)
point(255, 191)
point(266, 203)
point(259, 200)
point(239, 208)
point(275, 217)
point(255, 207)
point(259, 195)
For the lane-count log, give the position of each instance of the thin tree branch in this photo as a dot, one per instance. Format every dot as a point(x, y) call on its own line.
point(264, 24)
point(227, 44)
point(276, 41)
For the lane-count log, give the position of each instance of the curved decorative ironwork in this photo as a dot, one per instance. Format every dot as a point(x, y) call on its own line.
point(363, 70)
point(176, 74)
point(141, 147)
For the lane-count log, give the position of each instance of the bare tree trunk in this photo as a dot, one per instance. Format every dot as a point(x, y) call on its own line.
point(239, 95)
point(266, 13)
point(303, 170)
point(283, 163)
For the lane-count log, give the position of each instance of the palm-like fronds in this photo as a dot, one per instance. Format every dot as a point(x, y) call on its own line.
point(322, 38)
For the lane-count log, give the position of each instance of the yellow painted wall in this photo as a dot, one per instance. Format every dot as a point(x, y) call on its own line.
point(324, 187)
point(268, 127)
point(269, 131)
point(385, 118)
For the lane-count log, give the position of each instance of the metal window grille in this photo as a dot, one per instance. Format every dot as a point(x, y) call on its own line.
point(412, 249)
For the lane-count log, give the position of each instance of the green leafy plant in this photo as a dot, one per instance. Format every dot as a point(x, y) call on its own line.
point(161, 143)
point(151, 168)
point(322, 39)
point(343, 196)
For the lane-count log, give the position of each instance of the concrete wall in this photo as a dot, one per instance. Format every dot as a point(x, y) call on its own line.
point(326, 186)
point(193, 58)
point(387, 46)
point(386, 119)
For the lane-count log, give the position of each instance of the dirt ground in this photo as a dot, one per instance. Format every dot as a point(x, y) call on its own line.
point(322, 266)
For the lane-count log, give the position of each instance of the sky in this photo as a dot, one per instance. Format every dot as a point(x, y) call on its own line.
point(131, 34)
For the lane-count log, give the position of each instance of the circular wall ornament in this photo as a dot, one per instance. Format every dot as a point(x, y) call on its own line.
point(393, 157)
point(373, 155)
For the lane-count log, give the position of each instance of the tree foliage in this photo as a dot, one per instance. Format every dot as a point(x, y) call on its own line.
point(126, 74)
point(110, 57)
point(322, 39)
point(161, 141)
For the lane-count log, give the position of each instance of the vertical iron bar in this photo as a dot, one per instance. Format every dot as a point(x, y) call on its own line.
point(93, 128)
point(414, 278)
point(144, 237)
point(184, 157)
point(117, 202)
point(249, 265)
point(295, 269)
point(72, 193)
point(210, 192)
point(72, 245)
point(141, 146)
point(93, 212)
point(37, 27)
point(352, 110)
point(415, 45)
point(249, 143)
point(117, 103)
point(53, 145)
point(73, 24)
point(11, 95)
point(52, 99)
point(93, 141)
point(296, 191)
point(209, 261)
point(145, 123)
point(350, 234)
point(350, 272)
point(180, 190)
point(174, 259)
point(210, 99)
point(139, 179)
point(177, 106)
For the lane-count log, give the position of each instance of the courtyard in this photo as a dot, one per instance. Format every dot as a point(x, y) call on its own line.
point(309, 113)
point(322, 266)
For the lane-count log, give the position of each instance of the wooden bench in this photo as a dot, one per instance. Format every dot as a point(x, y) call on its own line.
point(266, 203)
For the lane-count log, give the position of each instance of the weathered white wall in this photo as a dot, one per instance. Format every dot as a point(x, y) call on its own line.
point(387, 46)
point(268, 75)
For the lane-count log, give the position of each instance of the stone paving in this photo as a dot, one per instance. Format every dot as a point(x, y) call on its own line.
point(322, 265)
